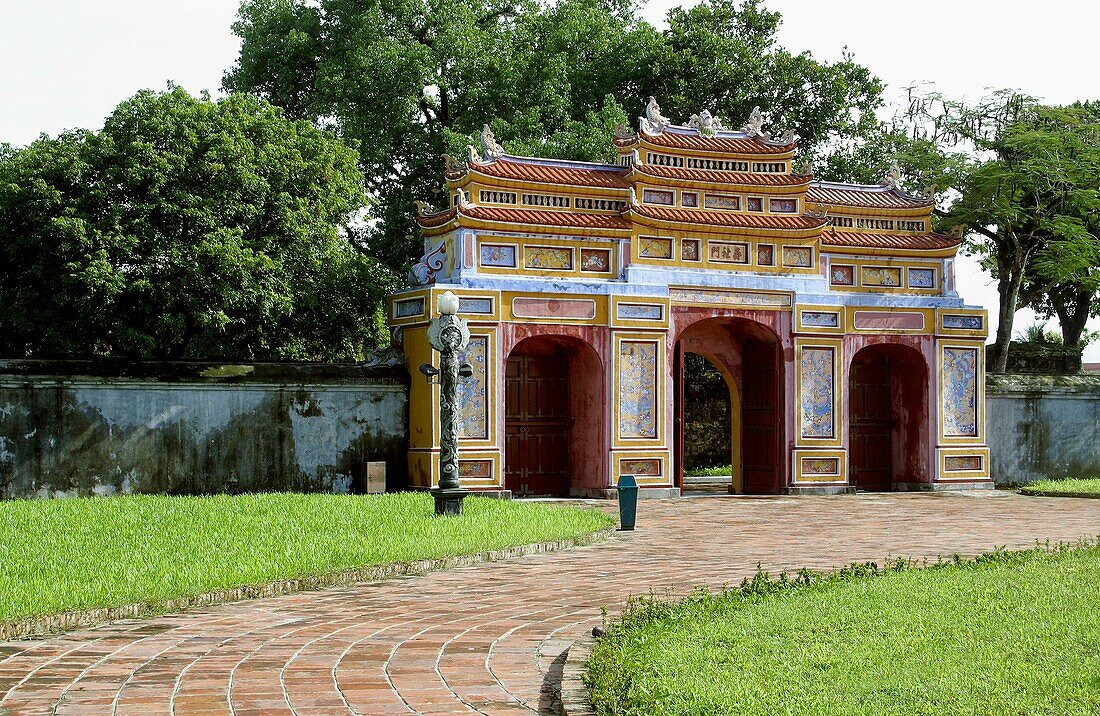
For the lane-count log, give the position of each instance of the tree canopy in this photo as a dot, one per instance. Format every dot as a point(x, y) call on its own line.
point(411, 81)
point(185, 228)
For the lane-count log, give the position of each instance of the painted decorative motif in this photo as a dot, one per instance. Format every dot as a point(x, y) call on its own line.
point(884, 276)
point(689, 250)
point(475, 305)
point(597, 260)
point(731, 298)
point(430, 264)
point(961, 463)
point(817, 393)
point(689, 198)
point(498, 255)
point(640, 468)
point(798, 256)
point(658, 196)
point(783, 206)
point(654, 248)
point(639, 311)
point(548, 257)
point(553, 308)
point(475, 469)
point(410, 307)
point(473, 419)
point(754, 203)
point(821, 319)
point(971, 323)
point(888, 321)
point(722, 201)
point(842, 275)
point(765, 255)
point(637, 389)
point(728, 252)
point(922, 278)
point(820, 466)
point(960, 392)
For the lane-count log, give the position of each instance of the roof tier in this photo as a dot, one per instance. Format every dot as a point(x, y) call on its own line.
point(732, 219)
point(863, 196)
point(587, 174)
point(693, 140)
point(715, 176)
point(902, 242)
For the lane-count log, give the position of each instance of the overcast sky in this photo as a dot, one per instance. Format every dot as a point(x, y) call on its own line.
point(67, 63)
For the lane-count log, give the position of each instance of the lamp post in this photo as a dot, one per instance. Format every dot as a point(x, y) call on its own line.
point(448, 334)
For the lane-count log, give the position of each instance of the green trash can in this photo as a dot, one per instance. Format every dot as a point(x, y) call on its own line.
point(628, 501)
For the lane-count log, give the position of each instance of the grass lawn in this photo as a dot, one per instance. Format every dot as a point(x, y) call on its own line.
point(1089, 486)
point(60, 555)
point(718, 471)
point(1010, 633)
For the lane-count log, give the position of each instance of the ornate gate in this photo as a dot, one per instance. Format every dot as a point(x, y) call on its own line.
point(537, 423)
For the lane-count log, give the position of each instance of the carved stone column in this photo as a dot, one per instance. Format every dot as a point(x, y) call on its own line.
point(448, 334)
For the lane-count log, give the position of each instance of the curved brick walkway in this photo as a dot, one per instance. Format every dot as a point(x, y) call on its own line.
point(489, 639)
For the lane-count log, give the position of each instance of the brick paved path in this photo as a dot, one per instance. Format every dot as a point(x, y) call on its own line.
point(488, 639)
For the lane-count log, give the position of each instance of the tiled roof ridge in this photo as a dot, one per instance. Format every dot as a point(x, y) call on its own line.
point(666, 172)
point(928, 242)
point(870, 189)
point(549, 162)
point(728, 218)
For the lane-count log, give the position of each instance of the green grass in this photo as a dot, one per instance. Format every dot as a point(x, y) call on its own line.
point(60, 555)
point(718, 471)
point(1010, 633)
point(1088, 486)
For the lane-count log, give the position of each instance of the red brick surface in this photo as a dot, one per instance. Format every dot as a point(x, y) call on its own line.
point(489, 639)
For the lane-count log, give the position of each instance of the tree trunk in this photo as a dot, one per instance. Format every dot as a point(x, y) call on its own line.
point(1010, 275)
point(1072, 307)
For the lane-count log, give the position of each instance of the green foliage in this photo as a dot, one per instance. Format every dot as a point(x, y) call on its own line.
point(715, 471)
point(410, 81)
point(707, 408)
point(58, 555)
point(1038, 333)
point(186, 228)
point(1064, 486)
point(1007, 632)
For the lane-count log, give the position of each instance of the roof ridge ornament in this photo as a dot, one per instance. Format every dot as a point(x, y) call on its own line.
point(754, 127)
point(423, 208)
point(490, 149)
point(707, 124)
point(653, 122)
point(623, 132)
point(788, 137)
point(893, 176)
point(464, 201)
point(452, 164)
point(804, 167)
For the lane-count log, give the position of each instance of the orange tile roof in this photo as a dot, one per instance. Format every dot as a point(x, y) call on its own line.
point(723, 177)
point(439, 218)
point(875, 197)
point(695, 141)
point(537, 217)
point(597, 175)
point(728, 218)
point(919, 242)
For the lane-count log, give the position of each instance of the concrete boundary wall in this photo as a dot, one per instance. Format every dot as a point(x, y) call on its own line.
point(75, 428)
point(1041, 426)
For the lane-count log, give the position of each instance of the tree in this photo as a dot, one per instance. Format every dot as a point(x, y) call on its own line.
point(411, 81)
point(186, 228)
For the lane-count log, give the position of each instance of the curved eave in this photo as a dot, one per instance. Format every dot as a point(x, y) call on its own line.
point(533, 221)
point(883, 211)
point(941, 246)
point(760, 152)
point(696, 227)
point(499, 183)
point(639, 174)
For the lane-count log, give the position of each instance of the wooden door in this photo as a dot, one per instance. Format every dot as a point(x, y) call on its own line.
point(760, 413)
point(537, 423)
point(872, 424)
point(678, 415)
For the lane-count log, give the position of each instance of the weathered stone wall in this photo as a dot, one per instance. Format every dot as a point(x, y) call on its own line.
point(89, 428)
point(1041, 426)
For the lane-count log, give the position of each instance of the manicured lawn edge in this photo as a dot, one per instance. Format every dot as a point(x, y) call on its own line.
point(65, 621)
point(1044, 493)
point(574, 692)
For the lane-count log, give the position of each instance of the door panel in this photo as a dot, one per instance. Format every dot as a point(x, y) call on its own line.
point(760, 418)
point(872, 425)
point(537, 423)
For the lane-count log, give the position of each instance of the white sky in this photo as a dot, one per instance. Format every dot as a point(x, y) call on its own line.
point(67, 63)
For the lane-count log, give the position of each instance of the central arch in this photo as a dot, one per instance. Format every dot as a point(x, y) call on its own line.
point(553, 417)
point(749, 357)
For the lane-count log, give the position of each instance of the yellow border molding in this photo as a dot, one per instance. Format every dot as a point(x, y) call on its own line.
point(800, 456)
point(617, 338)
point(980, 452)
point(979, 404)
point(839, 391)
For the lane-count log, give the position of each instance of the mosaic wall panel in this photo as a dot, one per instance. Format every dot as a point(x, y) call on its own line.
point(596, 260)
point(405, 309)
point(473, 405)
point(783, 206)
point(765, 255)
point(732, 298)
point(971, 323)
point(842, 275)
point(637, 389)
point(475, 469)
point(648, 467)
point(820, 466)
point(884, 276)
point(689, 250)
point(798, 256)
point(721, 201)
point(960, 463)
point(475, 305)
point(548, 257)
point(754, 203)
point(922, 278)
point(817, 393)
point(960, 392)
point(689, 198)
point(498, 255)
point(640, 311)
point(654, 248)
point(658, 196)
point(729, 252)
point(821, 319)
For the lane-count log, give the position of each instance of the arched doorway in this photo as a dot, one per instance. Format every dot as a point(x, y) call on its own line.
point(709, 441)
point(554, 416)
point(887, 413)
point(748, 355)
